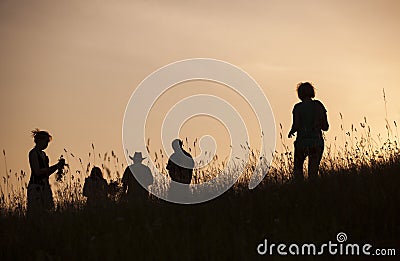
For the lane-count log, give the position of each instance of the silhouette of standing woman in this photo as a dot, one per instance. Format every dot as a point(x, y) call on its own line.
point(95, 188)
point(309, 120)
point(40, 197)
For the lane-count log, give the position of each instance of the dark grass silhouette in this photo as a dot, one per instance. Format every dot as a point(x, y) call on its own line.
point(362, 202)
point(357, 193)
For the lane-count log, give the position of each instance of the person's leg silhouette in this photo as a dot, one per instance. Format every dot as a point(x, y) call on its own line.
point(314, 159)
point(299, 157)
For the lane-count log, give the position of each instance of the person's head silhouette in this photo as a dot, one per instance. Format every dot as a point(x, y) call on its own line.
point(41, 138)
point(177, 145)
point(96, 173)
point(137, 157)
point(305, 91)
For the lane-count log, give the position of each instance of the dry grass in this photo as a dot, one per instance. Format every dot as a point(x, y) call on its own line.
point(357, 193)
point(359, 151)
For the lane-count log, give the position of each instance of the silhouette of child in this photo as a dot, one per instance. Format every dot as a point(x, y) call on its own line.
point(309, 120)
point(95, 187)
point(39, 194)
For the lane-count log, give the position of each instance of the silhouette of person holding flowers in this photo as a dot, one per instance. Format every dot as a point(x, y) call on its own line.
point(39, 194)
point(95, 188)
point(309, 120)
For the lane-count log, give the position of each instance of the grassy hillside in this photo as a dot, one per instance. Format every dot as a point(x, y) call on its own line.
point(362, 202)
point(357, 193)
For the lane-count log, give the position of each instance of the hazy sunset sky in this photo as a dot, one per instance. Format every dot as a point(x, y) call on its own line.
point(70, 67)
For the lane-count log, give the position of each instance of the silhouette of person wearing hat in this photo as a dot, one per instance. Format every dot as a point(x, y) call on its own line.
point(136, 178)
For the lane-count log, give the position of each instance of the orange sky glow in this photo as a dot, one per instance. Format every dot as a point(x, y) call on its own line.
point(70, 67)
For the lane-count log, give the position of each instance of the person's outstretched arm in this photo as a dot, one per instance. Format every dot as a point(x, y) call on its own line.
point(41, 172)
